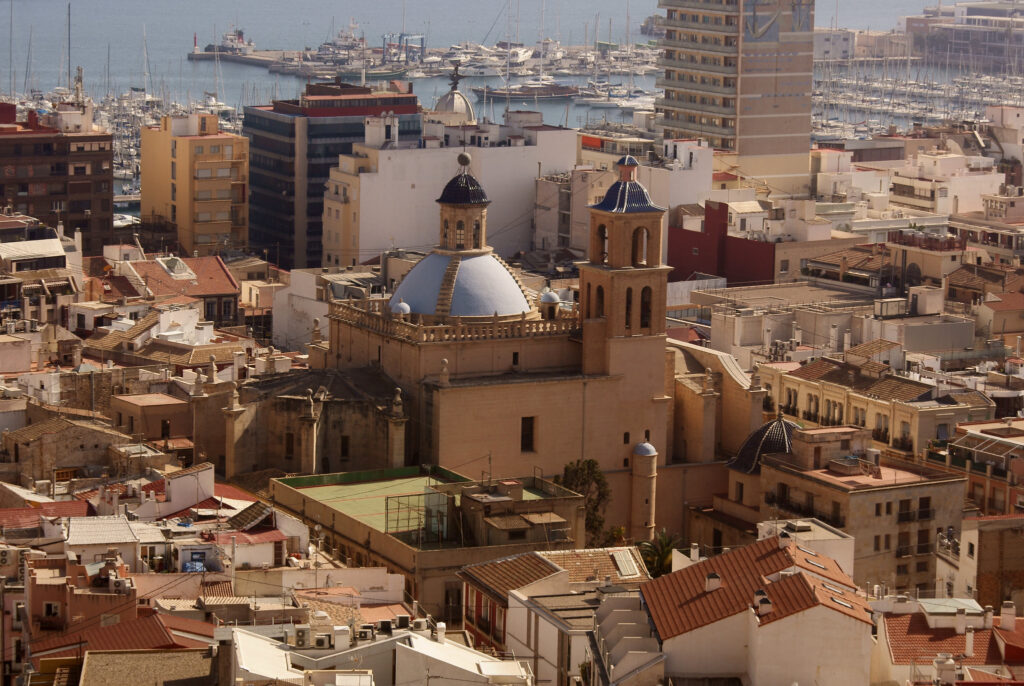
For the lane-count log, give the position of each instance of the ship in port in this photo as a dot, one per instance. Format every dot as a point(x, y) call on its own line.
point(538, 89)
point(233, 42)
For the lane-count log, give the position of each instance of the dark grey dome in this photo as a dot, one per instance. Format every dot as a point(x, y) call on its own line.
point(463, 189)
point(774, 437)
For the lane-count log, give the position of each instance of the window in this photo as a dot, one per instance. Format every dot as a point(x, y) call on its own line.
point(888, 508)
point(970, 550)
point(214, 149)
point(878, 543)
point(526, 434)
point(211, 310)
point(629, 308)
point(515, 359)
point(174, 170)
point(739, 491)
point(599, 302)
point(922, 566)
point(131, 424)
point(645, 308)
point(165, 428)
point(784, 266)
point(460, 235)
point(344, 446)
point(878, 513)
point(199, 150)
point(81, 321)
point(51, 609)
point(625, 438)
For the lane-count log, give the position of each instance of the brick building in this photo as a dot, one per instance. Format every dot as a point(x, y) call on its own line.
point(58, 168)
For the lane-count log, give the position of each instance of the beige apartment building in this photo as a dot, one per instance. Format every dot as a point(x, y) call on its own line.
point(859, 388)
point(739, 73)
point(195, 176)
point(894, 509)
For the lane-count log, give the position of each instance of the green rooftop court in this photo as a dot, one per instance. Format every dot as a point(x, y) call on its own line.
point(384, 499)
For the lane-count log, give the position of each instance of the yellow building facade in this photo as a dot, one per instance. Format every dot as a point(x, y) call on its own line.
point(195, 176)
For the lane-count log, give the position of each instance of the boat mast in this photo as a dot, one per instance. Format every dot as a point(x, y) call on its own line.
point(10, 49)
point(28, 64)
point(69, 45)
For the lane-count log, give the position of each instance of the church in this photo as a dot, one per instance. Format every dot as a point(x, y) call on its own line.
point(500, 382)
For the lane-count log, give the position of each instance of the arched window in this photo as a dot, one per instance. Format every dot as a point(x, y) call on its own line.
point(460, 235)
point(602, 239)
point(629, 308)
point(445, 238)
point(599, 302)
point(587, 315)
point(645, 308)
point(640, 236)
point(476, 235)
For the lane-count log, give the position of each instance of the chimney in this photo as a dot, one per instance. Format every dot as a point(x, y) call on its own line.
point(764, 606)
point(694, 552)
point(1008, 616)
point(440, 632)
point(969, 642)
point(988, 617)
point(960, 622)
point(945, 669)
point(784, 539)
point(712, 582)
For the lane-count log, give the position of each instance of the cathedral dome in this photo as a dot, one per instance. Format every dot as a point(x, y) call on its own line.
point(550, 297)
point(775, 436)
point(456, 102)
point(482, 287)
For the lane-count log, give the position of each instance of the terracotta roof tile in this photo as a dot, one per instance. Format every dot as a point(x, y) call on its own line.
point(886, 388)
point(678, 602)
point(212, 277)
point(583, 564)
point(1006, 302)
point(498, 577)
point(912, 640)
point(872, 348)
point(28, 517)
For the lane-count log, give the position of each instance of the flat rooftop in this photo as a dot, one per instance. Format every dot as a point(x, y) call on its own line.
point(775, 295)
point(363, 496)
point(150, 399)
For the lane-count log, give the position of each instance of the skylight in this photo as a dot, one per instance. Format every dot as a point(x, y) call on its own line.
point(816, 564)
point(832, 588)
point(841, 602)
point(625, 564)
point(809, 552)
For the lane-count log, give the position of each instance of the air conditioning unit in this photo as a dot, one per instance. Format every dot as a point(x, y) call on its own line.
point(365, 634)
point(122, 586)
point(402, 621)
point(419, 624)
point(6, 557)
point(323, 641)
point(302, 636)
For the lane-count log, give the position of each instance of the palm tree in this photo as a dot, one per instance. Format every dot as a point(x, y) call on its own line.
point(657, 553)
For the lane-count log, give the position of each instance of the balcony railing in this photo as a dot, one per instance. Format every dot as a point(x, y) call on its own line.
point(881, 435)
point(906, 516)
point(904, 551)
point(923, 548)
point(804, 510)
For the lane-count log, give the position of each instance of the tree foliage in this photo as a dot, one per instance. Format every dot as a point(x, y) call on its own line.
point(586, 478)
point(657, 553)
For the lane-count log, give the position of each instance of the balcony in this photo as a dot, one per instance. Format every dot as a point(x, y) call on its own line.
point(880, 435)
point(804, 510)
point(923, 549)
point(679, 23)
point(702, 108)
point(684, 44)
point(709, 5)
point(925, 515)
point(905, 443)
point(791, 410)
point(680, 85)
point(904, 550)
point(687, 66)
point(810, 416)
point(906, 516)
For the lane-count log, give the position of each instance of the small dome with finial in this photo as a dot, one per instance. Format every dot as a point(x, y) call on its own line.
point(627, 195)
point(463, 189)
